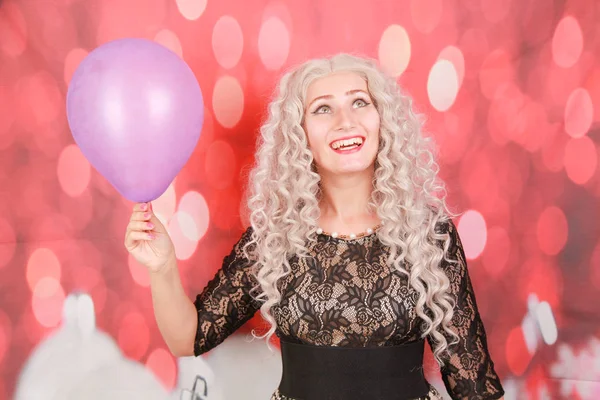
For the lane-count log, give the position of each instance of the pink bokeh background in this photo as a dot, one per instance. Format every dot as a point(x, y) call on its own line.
point(511, 93)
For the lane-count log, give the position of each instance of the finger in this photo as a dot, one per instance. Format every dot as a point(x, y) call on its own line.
point(140, 226)
point(141, 216)
point(148, 217)
point(141, 207)
point(136, 236)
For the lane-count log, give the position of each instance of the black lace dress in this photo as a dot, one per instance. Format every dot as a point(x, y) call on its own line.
point(346, 295)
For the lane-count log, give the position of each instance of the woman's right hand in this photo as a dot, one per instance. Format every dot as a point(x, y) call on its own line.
point(147, 240)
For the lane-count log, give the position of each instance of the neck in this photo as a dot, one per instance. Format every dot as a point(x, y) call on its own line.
point(345, 198)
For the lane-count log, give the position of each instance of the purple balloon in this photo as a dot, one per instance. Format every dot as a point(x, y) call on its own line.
point(135, 110)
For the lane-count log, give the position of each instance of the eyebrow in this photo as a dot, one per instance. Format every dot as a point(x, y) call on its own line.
point(328, 96)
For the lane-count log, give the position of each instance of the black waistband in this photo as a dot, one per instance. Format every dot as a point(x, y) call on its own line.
point(342, 373)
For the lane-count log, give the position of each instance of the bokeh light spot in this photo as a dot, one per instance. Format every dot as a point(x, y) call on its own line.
point(394, 50)
point(547, 323)
point(193, 204)
point(273, 43)
point(517, 354)
point(161, 363)
point(227, 41)
point(164, 207)
point(73, 171)
point(579, 113)
point(455, 56)
point(442, 85)
point(133, 336)
point(191, 9)
point(530, 328)
point(472, 230)
point(47, 301)
point(567, 43)
point(552, 230)
point(170, 40)
point(228, 101)
point(42, 263)
point(581, 159)
point(181, 224)
point(280, 10)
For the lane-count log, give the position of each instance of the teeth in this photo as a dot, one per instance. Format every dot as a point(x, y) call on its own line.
point(345, 143)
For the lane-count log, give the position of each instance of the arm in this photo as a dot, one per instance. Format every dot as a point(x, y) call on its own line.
point(225, 304)
point(192, 328)
point(469, 373)
point(174, 312)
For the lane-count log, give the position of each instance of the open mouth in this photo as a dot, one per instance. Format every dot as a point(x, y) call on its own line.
point(347, 144)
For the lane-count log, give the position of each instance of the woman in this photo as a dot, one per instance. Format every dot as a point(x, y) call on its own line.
point(351, 257)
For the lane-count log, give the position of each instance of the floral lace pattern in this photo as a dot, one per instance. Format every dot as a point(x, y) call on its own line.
point(347, 295)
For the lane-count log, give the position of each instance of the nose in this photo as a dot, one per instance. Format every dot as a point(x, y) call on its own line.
point(345, 119)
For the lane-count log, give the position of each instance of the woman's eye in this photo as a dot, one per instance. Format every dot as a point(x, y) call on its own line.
point(360, 103)
point(322, 110)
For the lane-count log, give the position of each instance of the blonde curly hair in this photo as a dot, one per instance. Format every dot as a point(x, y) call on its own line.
point(284, 192)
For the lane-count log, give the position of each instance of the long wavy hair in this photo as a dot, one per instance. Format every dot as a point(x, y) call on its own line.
point(284, 191)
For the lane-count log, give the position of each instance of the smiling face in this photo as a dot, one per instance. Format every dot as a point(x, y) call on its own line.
point(342, 124)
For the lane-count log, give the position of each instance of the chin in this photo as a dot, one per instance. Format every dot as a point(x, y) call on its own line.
point(354, 169)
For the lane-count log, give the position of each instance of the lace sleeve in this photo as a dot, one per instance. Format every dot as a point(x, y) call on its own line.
point(225, 304)
point(469, 373)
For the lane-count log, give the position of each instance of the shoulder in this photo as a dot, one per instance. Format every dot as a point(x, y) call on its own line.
point(448, 240)
point(445, 228)
point(237, 260)
point(246, 235)
point(453, 262)
point(243, 243)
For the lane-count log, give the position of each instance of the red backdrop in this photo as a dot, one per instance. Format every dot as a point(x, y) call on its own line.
point(511, 90)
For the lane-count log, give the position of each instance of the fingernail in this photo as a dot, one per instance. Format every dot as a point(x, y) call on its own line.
point(147, 215)
point(151, 236)
point(144, 207)
point(150, 226)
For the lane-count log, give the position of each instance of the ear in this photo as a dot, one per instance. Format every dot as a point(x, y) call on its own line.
point(78, 313)
point(86, 314)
